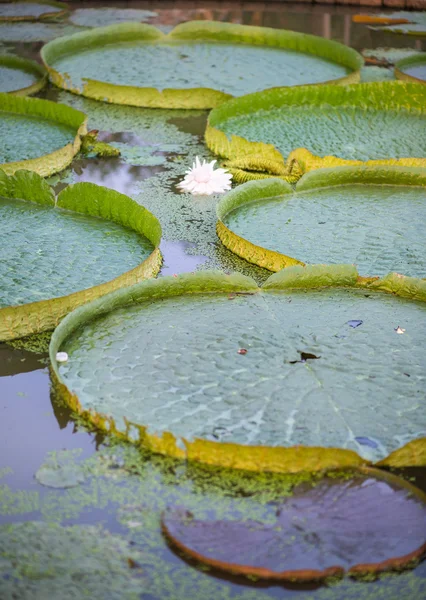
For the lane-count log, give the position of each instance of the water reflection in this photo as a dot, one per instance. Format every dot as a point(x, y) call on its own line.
point(177, 260)
point(111, 173)
point(14, 361)
point(30, 428)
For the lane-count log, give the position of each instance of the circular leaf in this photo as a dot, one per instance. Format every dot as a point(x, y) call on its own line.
point(367, 216)
point(198, 65)
point(38, 135)
point(107, 239)
point(321, 126)
point(167, 356)
point(320, 531)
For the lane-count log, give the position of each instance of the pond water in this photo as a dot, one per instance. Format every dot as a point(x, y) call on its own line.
point(158, 147)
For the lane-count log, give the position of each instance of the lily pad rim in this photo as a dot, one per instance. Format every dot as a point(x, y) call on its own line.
point(256, 458)
point(43, 16)
point(191, 30)
point(384, 95)
point(28, 66)
point(307, 575)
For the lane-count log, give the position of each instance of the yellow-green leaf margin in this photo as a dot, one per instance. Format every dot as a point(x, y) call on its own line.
point(250, 160)
point(209, 31)
point(264, 189)
point(89, 199)
point(49, 14)
point(29, 66)
point(44, 109)
point(253, 458)
point(416, 60)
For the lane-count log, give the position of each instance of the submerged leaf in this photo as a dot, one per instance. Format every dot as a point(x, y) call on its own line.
point(320, 531)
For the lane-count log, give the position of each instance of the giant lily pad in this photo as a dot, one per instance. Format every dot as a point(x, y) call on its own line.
point(31, 10)
point(371, 216)
point(320, 531)
point(20, 76)
point(284, 381)
point(197, 65)
point(286, 132)
point(38, 135)
point(412, 68)
point(59, 254)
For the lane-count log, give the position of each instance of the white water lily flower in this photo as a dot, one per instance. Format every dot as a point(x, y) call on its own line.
point(203, 180)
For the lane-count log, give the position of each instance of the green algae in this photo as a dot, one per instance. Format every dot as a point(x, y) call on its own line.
point(134, 488)
point(37, 343)
point(39, 560)
point(139, 155)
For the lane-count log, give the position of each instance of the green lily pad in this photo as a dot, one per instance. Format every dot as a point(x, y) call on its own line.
point(412, 68)
point(321, 126)
point(46, 560)
point(372, 217)
point(31, 10)
point(38, 135)
point(197, 65)
point(20, 76)
point(321, 531)
point(45, 275)
point(213, 357)
point(99, 17)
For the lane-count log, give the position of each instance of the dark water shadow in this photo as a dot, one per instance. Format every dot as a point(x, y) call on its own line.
point(14, 361)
